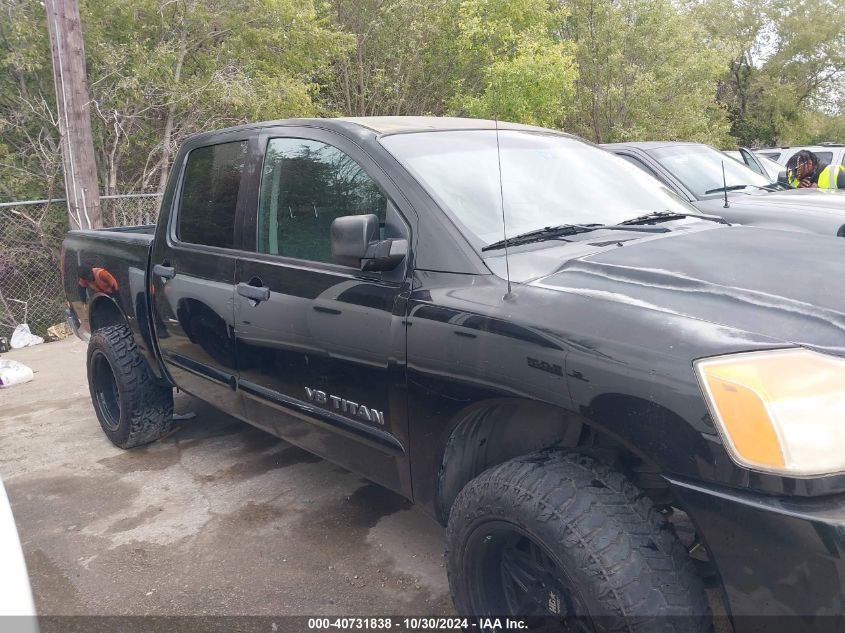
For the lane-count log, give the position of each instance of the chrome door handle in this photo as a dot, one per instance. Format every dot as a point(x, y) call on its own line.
point(256, 293)
point(165, 272)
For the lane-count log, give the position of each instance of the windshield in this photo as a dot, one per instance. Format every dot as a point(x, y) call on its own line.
point(547, 180)
point(699, 168)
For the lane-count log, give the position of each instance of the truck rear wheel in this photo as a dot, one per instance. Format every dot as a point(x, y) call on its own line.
point(565, 537)
point(131, 407)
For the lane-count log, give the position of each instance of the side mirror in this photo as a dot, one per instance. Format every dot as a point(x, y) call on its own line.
point(751, 161)
point(782, 179)
point(355, 243)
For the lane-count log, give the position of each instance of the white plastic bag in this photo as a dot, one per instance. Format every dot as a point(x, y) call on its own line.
point(13, 373)
point(22, 337)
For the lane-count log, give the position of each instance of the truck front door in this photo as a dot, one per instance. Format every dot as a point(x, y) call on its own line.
point(321, 347)
point(193, 271)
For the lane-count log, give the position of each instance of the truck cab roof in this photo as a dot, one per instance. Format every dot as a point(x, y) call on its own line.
point(380, 125)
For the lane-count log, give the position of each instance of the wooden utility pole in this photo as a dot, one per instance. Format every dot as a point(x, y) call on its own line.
point(69, 75)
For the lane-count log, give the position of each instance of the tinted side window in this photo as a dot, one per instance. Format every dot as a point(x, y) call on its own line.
point(210, 194)
point(304, 186)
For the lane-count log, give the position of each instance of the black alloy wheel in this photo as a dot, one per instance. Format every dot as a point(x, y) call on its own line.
point(516, 576)
point(104, 389)
point(132, 407)
point(562, 541)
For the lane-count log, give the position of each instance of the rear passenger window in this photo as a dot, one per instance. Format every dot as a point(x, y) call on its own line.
point(304, 186)
point(824, 158)
point(210, 194)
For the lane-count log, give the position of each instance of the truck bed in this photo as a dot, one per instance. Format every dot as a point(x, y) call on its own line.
point(104, 274)
point(138, 228)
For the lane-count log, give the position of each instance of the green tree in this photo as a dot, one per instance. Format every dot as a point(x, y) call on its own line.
point(164, 69)
point(787, 60)
point(395, 64)
point(645, 72)
point(510, 61)
point(534, 85)
point(471, 57)
point(30, 158)
point(159, 70)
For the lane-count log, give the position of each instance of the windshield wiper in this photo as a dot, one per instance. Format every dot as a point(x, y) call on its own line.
point(538, 235)
point(665, 216)
point(555, 232)
point(730, 188)
point(774, 186)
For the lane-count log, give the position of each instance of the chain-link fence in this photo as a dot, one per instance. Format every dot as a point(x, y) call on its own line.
point(132, 209)
point(31, 234)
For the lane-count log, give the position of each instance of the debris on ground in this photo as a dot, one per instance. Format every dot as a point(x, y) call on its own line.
point(58, 332)
point(22, 337)
point(13, 373)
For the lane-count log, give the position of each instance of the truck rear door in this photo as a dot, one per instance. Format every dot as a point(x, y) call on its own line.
point(193, 273)
point(321, 347)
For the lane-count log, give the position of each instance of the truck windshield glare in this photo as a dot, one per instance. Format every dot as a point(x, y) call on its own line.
point(547, 180)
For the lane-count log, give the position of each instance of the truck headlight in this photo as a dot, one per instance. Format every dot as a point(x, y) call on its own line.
point(781, 411)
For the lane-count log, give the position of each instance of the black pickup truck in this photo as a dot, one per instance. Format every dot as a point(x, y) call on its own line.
point(619, 405)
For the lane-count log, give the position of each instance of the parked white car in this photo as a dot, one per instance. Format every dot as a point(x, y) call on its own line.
point(15, 592)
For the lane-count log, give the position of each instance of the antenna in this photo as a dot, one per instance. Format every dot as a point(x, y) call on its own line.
point(725, 187)
point(502, 200)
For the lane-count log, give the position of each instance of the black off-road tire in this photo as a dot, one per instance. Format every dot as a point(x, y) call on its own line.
point(601, 537)
point(132, 408)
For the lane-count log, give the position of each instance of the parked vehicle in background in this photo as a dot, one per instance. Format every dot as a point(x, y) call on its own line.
point(620, 403)
point(828, 153)
point(766, 167)
point(15, 592)
point(741, 196)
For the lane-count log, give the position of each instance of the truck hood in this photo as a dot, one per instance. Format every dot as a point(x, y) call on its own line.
point(781, 285)
point(792, 200)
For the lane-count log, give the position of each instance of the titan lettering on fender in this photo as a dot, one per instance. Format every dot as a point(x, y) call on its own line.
point(350, 408)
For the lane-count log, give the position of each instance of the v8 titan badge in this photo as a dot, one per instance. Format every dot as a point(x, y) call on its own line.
point(342, 405)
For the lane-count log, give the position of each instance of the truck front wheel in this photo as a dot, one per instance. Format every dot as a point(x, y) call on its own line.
point(131, 407)
point(565, 537)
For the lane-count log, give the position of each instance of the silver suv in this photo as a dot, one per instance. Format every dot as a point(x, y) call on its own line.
point(828, 153)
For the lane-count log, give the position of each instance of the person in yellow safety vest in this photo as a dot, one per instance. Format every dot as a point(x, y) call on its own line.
point(803, 170)
point(832, 177)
